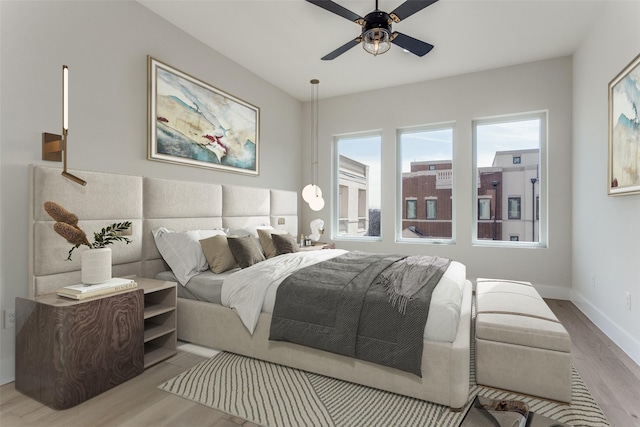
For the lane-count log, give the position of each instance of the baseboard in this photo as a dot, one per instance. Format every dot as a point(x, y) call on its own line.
point(553, 292)
point(619, 336)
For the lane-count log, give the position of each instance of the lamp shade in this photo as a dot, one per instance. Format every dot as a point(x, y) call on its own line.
point(311, 191)
point(376, 41)
point(316, 203)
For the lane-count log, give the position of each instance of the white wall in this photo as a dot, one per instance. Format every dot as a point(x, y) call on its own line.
point(606, 229)
point(105, 45)
point(544, 85)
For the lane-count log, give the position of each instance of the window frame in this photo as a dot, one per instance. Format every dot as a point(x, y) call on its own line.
point(399, 199)
point(543, 178)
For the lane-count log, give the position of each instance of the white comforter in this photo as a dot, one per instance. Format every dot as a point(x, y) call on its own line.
point(253, 290)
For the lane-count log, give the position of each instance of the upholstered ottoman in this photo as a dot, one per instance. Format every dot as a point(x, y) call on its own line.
point(520, 344)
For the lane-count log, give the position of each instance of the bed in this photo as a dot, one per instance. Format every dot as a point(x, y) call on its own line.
point(181, 206)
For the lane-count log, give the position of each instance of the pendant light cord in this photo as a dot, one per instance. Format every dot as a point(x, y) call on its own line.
point(314, 131)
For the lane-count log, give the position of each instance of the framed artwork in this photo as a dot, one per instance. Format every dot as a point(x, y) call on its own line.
point(624, 131)
point(196, 124)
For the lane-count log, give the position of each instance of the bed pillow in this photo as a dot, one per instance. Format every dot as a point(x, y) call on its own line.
point(245, 251)
point(284, 243)
point(267, 243)
point(182, 250)
point(216, 251)
point(250, 231)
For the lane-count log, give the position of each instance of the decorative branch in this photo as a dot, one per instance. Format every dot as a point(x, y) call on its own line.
point(67, 227)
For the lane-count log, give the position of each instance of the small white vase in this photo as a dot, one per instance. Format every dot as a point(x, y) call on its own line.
point(96, 266)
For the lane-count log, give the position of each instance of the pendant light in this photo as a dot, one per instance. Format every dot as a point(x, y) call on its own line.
point(311, 193)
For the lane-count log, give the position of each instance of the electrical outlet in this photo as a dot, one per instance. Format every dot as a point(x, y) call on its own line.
point(9, 318)
point(627, 300)
point(593, 280)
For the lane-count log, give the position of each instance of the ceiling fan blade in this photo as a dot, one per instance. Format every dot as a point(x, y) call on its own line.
point(337, 9)
point(415, 46)
point(342, 49)
point(408, 8)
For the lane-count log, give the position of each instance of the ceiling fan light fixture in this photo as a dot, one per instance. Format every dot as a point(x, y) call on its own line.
point(376, 35)
point(376, 41)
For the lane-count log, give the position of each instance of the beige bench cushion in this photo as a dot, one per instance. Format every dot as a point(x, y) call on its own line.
point(514, 313)
point(522, 330)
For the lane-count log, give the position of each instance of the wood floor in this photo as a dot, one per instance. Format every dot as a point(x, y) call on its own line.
point(612, 377)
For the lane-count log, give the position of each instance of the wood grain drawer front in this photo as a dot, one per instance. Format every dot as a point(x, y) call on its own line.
point(68, 353)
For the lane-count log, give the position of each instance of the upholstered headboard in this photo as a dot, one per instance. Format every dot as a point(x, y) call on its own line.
point(181, 206)
point(146, 202)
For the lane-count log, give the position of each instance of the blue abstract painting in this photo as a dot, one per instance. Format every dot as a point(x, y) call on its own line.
point(624, 130)
point(194, 123)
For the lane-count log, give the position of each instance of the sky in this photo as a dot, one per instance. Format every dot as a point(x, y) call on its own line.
point(437, 144)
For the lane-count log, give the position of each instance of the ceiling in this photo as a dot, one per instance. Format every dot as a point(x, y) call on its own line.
point(282, 41)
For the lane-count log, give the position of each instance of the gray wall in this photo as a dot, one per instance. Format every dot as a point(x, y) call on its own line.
point(105, 45)
point(606, 229)
point(544, 85)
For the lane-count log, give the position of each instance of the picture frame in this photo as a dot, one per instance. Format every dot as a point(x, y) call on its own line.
point(196, 124)
point(624, 131)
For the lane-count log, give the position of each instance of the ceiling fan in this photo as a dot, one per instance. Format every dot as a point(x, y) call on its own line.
point(376, 36)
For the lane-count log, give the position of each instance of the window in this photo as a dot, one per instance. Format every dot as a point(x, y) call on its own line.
point(358, 186)
point(425, 165)
point(484, 208)
point(514, 208)
point(412, 209)
point(431, 207)
point(509, 170)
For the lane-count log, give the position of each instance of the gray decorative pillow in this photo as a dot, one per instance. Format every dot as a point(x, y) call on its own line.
point(267, 243)
point(245, 251)
point(219, 256)
point(284, 243)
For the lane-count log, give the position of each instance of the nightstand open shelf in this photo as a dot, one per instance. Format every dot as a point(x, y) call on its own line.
point(160, 300)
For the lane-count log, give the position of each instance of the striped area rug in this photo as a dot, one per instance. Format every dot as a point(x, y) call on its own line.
point(276, 396)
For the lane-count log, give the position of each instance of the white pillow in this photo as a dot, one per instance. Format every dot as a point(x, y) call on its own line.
point(249, 231)
point(182, 250)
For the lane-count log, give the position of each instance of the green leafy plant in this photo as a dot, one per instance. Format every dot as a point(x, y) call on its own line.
point(67, 226)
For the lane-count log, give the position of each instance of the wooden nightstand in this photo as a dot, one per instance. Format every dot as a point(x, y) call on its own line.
point(68, 351)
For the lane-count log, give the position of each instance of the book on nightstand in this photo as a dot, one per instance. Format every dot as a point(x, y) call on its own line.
point(81, 291)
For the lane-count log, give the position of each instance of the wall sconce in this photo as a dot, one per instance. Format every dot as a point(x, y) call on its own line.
point(54, 147)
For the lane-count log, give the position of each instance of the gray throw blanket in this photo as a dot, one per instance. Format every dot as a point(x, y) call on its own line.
point(406, 277)
point(342, 306)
